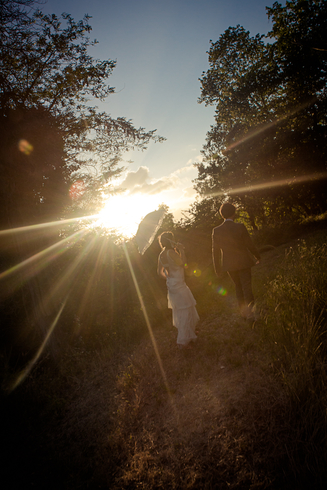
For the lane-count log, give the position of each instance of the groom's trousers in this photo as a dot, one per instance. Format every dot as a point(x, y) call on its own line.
point(243, 289)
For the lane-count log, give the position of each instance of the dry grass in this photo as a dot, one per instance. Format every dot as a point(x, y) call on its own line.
point(221, 416)
point(224, 415)
point(210, 424)
point(205, 431)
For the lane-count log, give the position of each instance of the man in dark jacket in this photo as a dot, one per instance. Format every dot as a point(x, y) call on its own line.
point(233, 251)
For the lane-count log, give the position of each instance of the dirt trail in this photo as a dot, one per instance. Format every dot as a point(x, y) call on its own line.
point(211, 413)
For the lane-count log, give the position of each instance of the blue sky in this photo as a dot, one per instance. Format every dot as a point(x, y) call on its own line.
point(161, 51)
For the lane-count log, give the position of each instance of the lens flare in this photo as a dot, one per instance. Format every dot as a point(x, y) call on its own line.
point(222, 291)
point(147, 321)
point(124, 212)
point(197, 272)
point(25, 147)
point(77, 190)
point(260, 129)
point(24, 373)
point(271, 185)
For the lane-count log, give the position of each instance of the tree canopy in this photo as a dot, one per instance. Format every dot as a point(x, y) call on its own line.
point(58, 155)
point(267, 148)
point(46, 68)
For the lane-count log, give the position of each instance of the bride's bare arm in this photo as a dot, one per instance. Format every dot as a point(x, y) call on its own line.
point(160, 269)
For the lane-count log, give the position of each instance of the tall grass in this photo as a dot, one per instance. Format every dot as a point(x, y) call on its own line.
point(245, 409)
point(296, 325)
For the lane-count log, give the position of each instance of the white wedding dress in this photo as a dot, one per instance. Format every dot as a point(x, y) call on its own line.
point(181, 301)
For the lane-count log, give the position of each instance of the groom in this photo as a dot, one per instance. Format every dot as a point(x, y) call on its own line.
point(233, 251)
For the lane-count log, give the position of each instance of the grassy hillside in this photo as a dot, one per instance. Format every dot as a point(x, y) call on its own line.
point(244, 409)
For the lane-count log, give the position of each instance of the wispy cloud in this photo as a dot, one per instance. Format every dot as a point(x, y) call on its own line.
point(184, 171)
point(197, 159)
point(189, 192)
point(155, 187)
point(174, 189)
point(140, 181)
point(137, 178)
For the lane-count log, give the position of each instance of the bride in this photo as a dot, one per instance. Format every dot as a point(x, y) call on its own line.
point(171, 264)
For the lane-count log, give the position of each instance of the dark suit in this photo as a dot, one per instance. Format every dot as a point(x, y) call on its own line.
point(233, 251)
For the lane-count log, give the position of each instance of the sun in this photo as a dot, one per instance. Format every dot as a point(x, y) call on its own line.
point(123, 213)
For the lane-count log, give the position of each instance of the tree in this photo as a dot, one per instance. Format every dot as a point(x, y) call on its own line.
point(300, 50)
point(52, 136)
point(270, 121)
point(45, 66)
point(33, 187)
point(242, 102)
point(14, 12)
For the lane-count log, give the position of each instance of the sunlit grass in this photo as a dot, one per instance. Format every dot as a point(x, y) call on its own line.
point(84, 240)
point(246, 408)
point(17, 379)
point(50, 301)
point(296, 327)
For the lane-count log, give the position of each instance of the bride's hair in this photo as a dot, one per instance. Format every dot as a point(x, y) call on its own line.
point(165, 239)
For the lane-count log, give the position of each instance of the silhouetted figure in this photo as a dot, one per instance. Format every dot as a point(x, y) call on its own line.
point(233, 251)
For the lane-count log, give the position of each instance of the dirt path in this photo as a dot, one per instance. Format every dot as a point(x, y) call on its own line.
point(211, 417)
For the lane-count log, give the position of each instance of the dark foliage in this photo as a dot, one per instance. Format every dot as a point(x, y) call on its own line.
point(267, 149)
